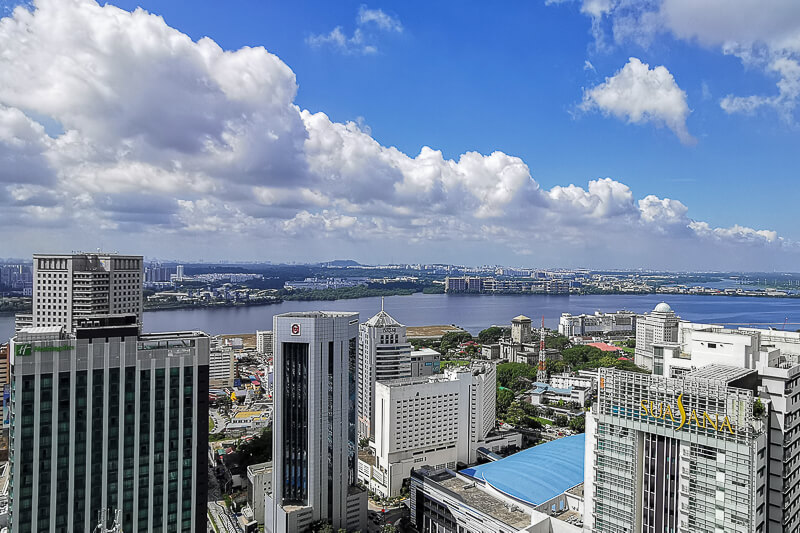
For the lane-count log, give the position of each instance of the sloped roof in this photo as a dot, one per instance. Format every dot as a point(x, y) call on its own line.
point(520, 318)
point(382, 319)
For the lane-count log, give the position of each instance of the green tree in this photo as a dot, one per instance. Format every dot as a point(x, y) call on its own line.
point(758, 408)
point(452, 339)
point(510, 375)
point(630, 343)
point(258, 449)
point(560, 420)
point(504, 399)
point(578, 424)
point(490, 335)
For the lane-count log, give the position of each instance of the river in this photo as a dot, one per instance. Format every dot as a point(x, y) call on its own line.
point(474, 312)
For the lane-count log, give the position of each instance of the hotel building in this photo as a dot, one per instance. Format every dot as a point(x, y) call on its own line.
point(67, 287)
point(103, 417)
point(314, 430)
point(677, 454)
point(439, 420)
point(658, 326)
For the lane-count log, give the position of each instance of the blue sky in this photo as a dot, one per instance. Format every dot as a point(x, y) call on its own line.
point(529, 80)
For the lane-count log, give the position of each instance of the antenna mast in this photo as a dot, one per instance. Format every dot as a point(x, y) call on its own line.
point(541, 371)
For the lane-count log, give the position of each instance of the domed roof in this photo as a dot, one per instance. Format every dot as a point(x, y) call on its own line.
point(663, 307)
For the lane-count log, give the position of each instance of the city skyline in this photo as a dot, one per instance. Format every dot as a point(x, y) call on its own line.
point(595, 134)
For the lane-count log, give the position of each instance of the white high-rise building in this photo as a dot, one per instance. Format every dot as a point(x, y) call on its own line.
point(438, 420)
point(383, 353)
point(264, 342)
point(314, 429)
point(656, 327)
point(67, 287)
point(221, 367)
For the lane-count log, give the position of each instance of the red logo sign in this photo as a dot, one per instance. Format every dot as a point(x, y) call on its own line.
point(295, 329)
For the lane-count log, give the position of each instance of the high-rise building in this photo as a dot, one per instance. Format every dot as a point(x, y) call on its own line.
point(441, 420)
point(657, 327)
point(67, 287)
point(179, 273)
point(264, 342)
point(685, 454)
point(103, 417)
point(314, 429)
point(221, 367)
point(384, 353)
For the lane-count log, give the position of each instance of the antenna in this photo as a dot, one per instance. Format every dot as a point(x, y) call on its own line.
point(541, 371)
point(381, 303)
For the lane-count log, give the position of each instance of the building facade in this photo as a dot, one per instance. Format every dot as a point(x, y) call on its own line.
point(571, 325)
point(314, 426)
point(441, 420)
point(221, 367)
point(264, 342)
point(67, 287)
point(658, 326)
point(106, 418)
point(384, 353)
point(683, 455)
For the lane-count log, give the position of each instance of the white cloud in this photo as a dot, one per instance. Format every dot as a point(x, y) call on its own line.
point(379, 18)
point(363, 40)
point(763, 35)
point(640, 95)
point(135, 163)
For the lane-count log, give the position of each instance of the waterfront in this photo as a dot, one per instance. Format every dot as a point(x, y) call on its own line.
point(474, 312)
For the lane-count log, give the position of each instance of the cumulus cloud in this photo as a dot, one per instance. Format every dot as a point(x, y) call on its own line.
point(363, 39)
point(136, 163)
point(765, 37)
point(639, 94)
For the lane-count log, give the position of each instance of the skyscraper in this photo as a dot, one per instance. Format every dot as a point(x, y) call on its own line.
point(106, 418)
point(383, 354)
point(69, 286)
point(314, 428)
point(686, 454)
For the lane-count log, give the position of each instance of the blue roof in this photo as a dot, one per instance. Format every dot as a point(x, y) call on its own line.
point(537, 474)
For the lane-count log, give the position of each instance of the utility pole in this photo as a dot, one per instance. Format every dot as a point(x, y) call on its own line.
point(541, 371)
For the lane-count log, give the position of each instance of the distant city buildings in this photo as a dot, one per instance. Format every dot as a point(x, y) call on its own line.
point(324, 283)
point(476, 284)
point(314, 429)
point(619, 322)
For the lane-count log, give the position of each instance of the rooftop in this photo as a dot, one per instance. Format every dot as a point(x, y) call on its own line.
point(719, 372)
point(485, 503)
point(536, 475)
point(381, 320)
point(318, 314)
point(605, 346)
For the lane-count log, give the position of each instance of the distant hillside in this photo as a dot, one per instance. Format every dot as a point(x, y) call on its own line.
point(341, 263)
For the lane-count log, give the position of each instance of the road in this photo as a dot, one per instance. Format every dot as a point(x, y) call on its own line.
point(225, 522)
point(376, 520)
point(219, 421)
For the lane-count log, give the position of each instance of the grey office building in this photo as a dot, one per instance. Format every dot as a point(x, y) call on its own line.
point(103, 417)
point(314, 429)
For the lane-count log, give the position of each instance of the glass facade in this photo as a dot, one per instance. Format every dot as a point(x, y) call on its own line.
point(295, 416)
point(120, 438)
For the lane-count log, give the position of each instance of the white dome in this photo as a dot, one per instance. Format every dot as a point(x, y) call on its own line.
point(663, 307)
